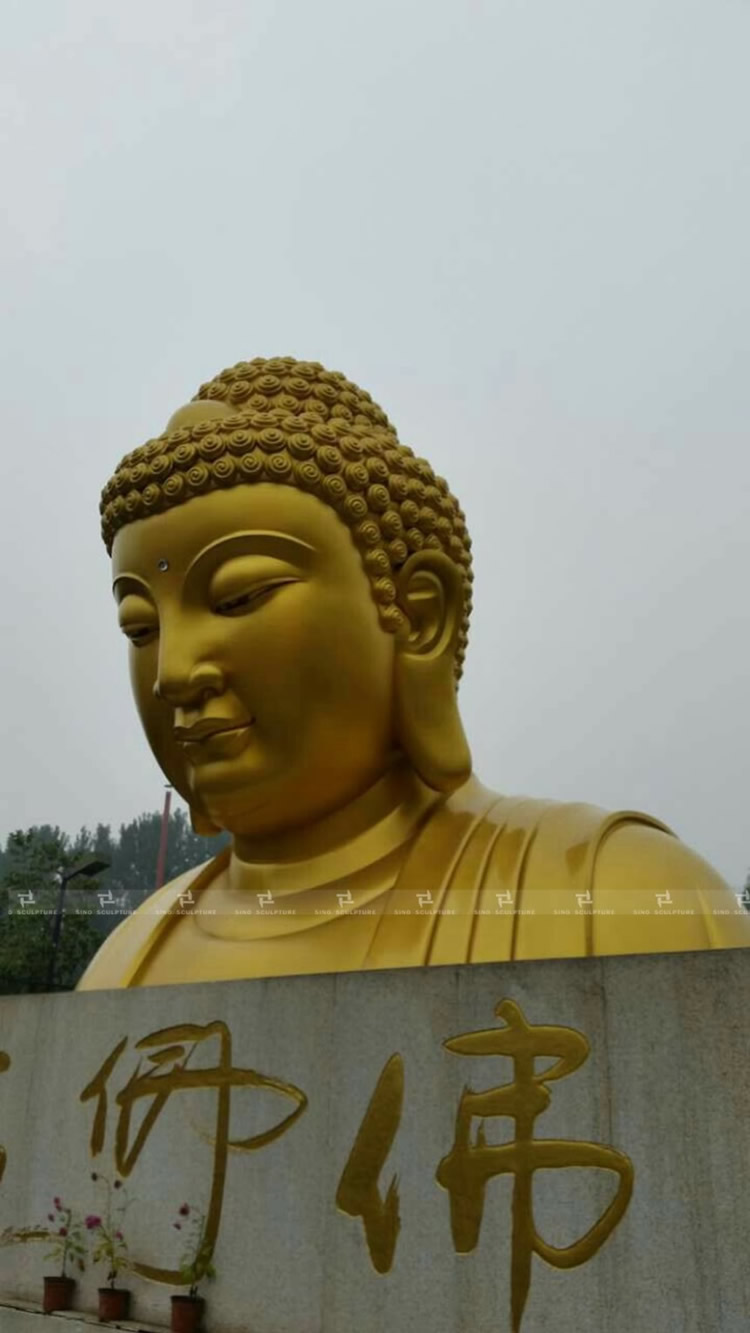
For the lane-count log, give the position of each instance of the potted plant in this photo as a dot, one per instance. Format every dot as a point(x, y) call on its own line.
point(195, 1264)
point(67, 1241)
point(67, 1248)
point(110, 1247)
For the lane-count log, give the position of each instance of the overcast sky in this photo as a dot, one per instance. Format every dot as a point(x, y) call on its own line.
point(523, 227)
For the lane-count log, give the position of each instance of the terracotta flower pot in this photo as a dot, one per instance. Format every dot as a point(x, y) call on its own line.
point(114, 1303)
point(187, 1314)
point(58, 1293)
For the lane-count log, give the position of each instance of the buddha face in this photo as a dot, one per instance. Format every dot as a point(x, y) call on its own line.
point(261, 673)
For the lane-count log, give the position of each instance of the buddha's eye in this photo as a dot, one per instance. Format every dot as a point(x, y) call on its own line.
point(248, 600)
point(138, 619)
point(139, 634)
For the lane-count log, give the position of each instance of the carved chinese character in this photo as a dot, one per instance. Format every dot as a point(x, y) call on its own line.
point(170, 1072)
point(358, 1193)
point(470, 1165)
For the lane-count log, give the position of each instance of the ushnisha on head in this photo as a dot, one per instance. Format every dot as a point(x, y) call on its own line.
point(296, 424)
point(295, 585)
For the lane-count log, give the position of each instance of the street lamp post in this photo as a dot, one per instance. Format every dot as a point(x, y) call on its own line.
point(91, 866)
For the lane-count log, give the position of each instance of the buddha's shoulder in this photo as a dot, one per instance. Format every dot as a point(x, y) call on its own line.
point(552, 826)
point(120, 954)
point(556, 855)
point(613, 846)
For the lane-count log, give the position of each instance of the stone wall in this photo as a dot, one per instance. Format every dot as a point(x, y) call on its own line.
point(665, 1087)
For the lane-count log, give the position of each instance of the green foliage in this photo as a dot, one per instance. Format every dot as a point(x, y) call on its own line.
point(31, 863)
point(133, 856)
point(109, 1246)
point(196, 1259)
point(66, 1238)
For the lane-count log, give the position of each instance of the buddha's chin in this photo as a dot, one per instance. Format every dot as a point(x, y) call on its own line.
point(238, 802)
point(260, 795)
point(263, 806)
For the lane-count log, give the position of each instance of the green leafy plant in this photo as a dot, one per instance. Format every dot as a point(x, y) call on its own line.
point(195, 1262)
point(66, 1237)
point(109, 1245)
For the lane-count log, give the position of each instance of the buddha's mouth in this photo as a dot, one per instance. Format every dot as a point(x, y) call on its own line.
point(208, 727)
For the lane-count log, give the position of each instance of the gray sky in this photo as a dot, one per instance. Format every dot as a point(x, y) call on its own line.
point(522, 227)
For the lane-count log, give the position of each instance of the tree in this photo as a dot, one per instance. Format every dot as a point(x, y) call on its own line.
point(134, 855)
point(33, 862)
point(30, 867)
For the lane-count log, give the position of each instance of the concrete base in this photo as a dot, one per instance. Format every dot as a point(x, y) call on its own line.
point(25, 1317)
point(666, 1083)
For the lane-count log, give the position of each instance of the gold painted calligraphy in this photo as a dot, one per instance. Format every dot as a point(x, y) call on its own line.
point(468, 1167)
point(358, 1194)
point(466, 1170)
point(171, 1051)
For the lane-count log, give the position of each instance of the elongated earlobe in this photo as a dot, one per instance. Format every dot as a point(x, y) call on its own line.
point(202, 825)
point(430, 593)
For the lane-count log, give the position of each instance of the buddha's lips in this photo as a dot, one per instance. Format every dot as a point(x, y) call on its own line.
point(209, 726)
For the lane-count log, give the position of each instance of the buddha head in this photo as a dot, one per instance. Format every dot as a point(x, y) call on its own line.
point(295, 586)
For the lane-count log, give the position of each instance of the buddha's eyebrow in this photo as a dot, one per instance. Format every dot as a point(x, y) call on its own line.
point(279, 544)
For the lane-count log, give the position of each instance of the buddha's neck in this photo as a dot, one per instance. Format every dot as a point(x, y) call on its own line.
point(372, 826)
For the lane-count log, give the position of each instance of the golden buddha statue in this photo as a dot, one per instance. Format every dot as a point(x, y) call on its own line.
point(295, 585)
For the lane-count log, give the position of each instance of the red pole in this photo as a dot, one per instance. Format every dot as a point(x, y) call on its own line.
point(161, 861)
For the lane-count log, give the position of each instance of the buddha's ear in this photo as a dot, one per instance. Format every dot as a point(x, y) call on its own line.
point(429, 592)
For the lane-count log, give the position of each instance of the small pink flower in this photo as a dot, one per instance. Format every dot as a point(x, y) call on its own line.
point(57, 1202)
point(63, 1231)
point(184, 1210)
point(118, 1235)
point(92, 1222)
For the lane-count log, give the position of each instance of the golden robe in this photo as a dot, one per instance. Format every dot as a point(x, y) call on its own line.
point(485, 878)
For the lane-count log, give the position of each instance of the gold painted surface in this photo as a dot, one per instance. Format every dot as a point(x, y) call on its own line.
point(358, 1192)
point(471, 1164)
point(295, 586)
point(171, 1050)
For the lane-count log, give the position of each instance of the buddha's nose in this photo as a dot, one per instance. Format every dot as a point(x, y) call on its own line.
point(186, 687)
